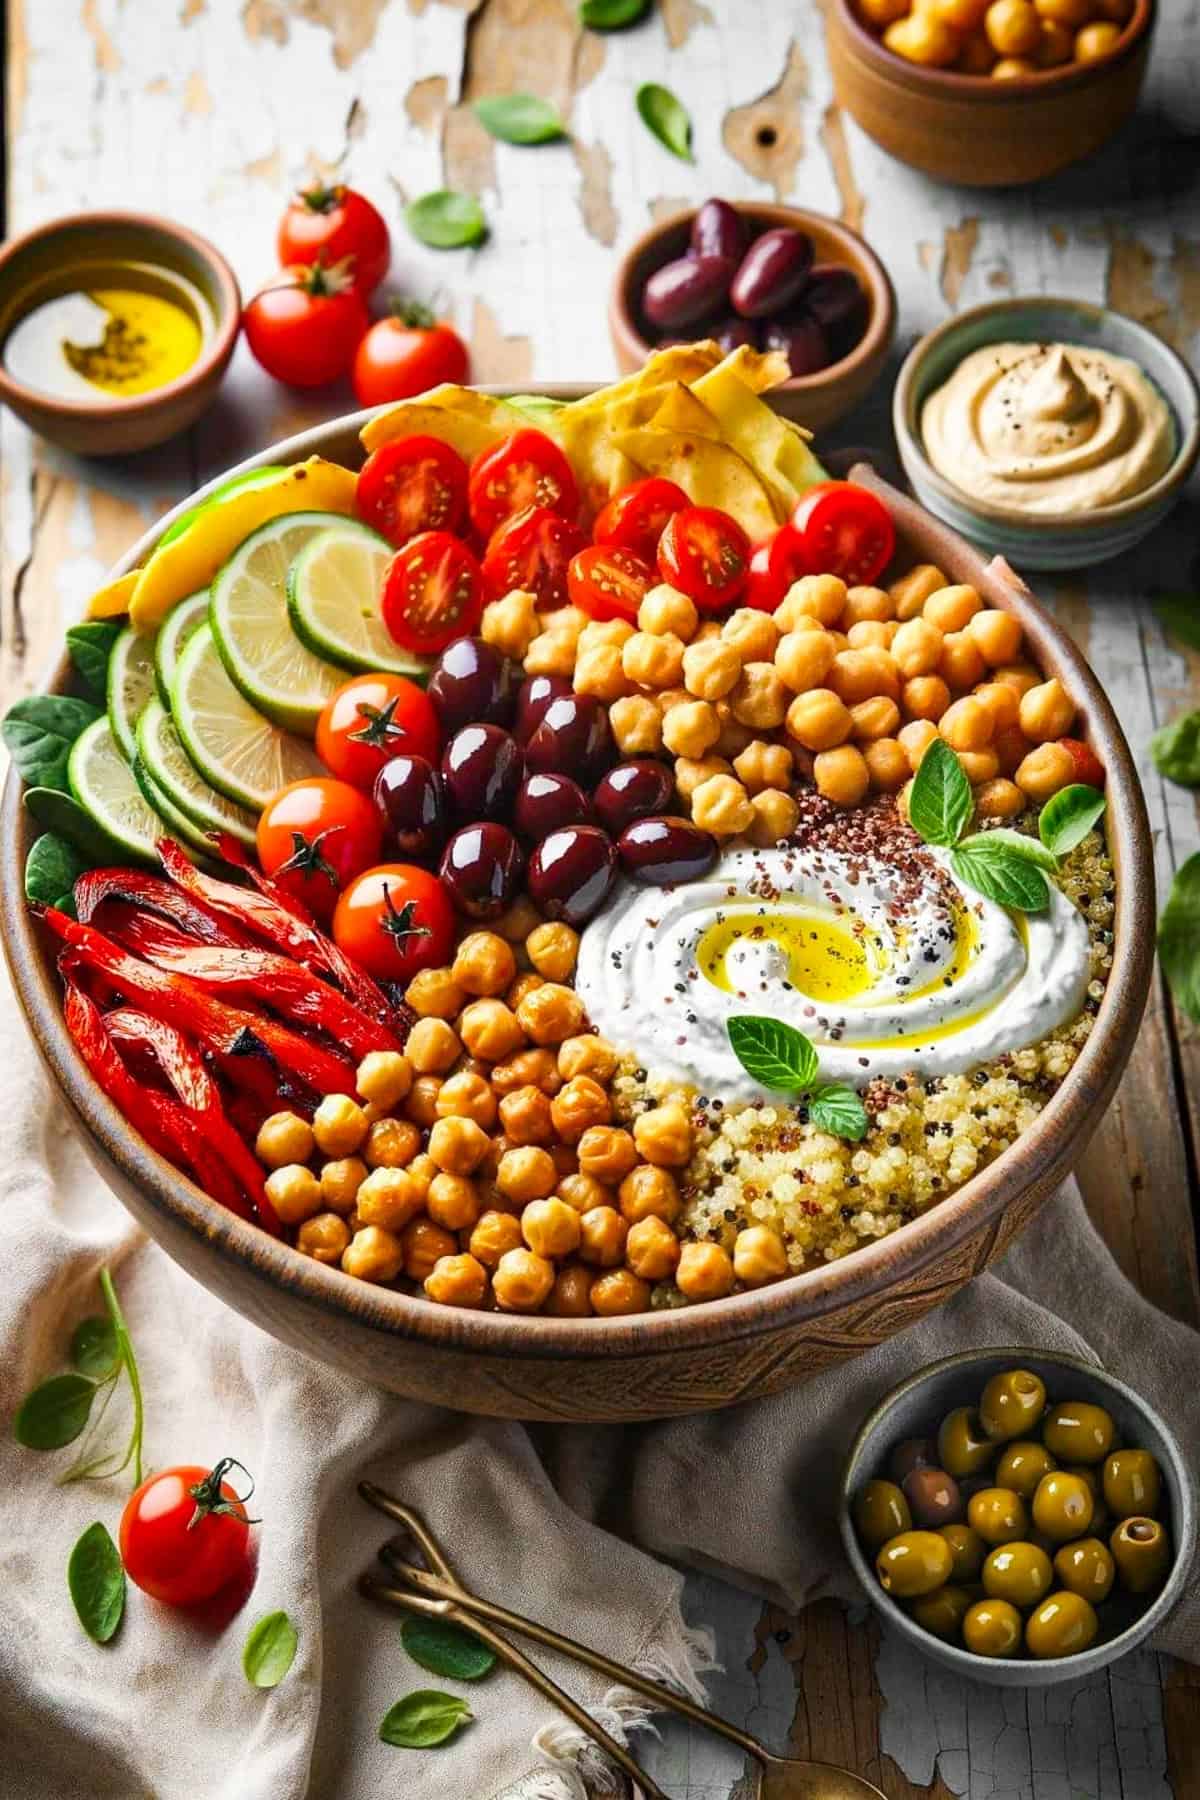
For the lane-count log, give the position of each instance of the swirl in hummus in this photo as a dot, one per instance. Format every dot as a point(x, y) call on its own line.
point(1048, 429)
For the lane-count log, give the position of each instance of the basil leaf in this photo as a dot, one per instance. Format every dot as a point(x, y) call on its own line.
point(1000, 876)
point(51, 870)
point(38, 733)
point(95, 1351)
point(612, 15)
point(839, 1110)
point(447, 1649)
point(1180, 615)
point(55, 1412)
point(89, 646)
point(1069, 815)
point(1179, 937)
point(1017, 843)
point(1175, 750)
point(520, 118)
point(667, 118)
point(940, 802)
point(63, 815)
point(537, 407)
point(445, 220)
point(97, 1583)
point(269, 1650)
point(422, 1719)
point(777, 1055)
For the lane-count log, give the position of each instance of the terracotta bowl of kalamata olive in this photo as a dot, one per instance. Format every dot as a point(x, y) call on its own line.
point(775, 277)
point(1043, 1401)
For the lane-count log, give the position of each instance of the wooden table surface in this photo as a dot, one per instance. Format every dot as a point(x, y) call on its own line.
point(210, 110)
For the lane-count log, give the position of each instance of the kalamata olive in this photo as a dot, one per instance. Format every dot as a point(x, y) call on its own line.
point(573, 738)
point(659, 851)
point(718, 229)
point(772, 272)
point(546, 803)
point(933, 1498)
point(480, 868)
point(687, 289)
point(910, 1454)
point(534, 696)
point(482, 769)
point(835, 298)
point(408, 792)
point(632, 791)
point(802, 341)
point(731, 332)
point(571, 872)
point(473, 684)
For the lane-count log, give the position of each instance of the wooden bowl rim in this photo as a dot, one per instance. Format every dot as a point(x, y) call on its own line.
point(211, 360)
point(851, 1280)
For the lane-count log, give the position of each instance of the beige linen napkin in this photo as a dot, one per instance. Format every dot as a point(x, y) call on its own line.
point(546, 1519)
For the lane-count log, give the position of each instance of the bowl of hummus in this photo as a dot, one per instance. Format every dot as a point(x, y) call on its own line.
point(1052, 432)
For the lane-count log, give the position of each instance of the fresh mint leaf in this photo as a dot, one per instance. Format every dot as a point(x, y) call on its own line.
point(446, 221)
point(423, 1719)
point(269, 1650)
point(1069, 815)
point(447, 1649)
point(38, 733)
point(838, 1110)
point(667, 118)
point(1179, 937)
point(775, 1054)
point(520, 118)
point(1175, 750)
point(940, 803)
point(97, 1583)
point(1018, 843)
point(89, 646)
point(998, 875)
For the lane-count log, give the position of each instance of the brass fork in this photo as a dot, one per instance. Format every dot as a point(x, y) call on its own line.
point(436, 1591)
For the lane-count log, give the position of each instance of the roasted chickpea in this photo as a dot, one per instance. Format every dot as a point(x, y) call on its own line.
point(525, 1116)
point(721, 805)
point(389, 1198)
point(1066, 12)
point(911, 591)
point(1012, 26)
point(373, 1254)
point(690, 773)
point(583, 1191)
point(1046, 711)
point(867, 603)
point(457, 1280)
point(752, 634)
point(490, 1030)
point(819, 719)
point(650, 1191)
point(425, 1244)
point(952, 608)
point(294, 1192)
point(978, 765)
point(457, 1145)
point(484, 963)
point(963, 15)
point(710, 668)
point(966, 724)
point(525, 1173)
point(528, 1068)
point(775, 817)
point(467, 1095)
point(653, 659)
point(803, 659)
point(570, 1297)
point(862, 674)
point(1044, 771)
point(587, 1055)
point(339, 1125)
point(759, 1256)
point(1096, 40)
point(601, 673)
point(999, 799)
point(522, 1281)
point(872, 634)
point(1019, 675)
point(383, 1078)
point(877, 718)
point(526, 982)
point(581, 1103)
point(552, 949)
point(602, 1234)
point(391, 1143)
point(961, 663)
point(421, 1105)
point(619, 1292)
point(691, 728)
point(652, 1249)
point(998, 635)
point(821, 597)
point(551, 1013)
point(452, 1201)
point(340, 1182)
point(323, 1237)
point(763, 765)
point(433, 1046)
point(841, 775)
point(600, 634)
point(1002, 701)
point(665, 609)
point(925, 697)
point(757, 702)
point(493, 1234)
point(607, 1152)
point(636, 725)
point(510, 624)
point(887, 765)
point(922, 38)
point(551, 653)
point(550, 1227)
point(664, 1135)
point(916, 647)
point(705, 1272)
point(915, 739)
point(282, 1139)
point(434, 994)
point(1011, 747)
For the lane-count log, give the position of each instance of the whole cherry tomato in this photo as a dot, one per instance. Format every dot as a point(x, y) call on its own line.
point(395, 921)
point(184, 1533)
point(847, 531)
point(1088, 768)
point(432, 593)
point(635, 517)
point(407, 354)
point(774, 565)
point(305, 325)
point(413, 484)
point(314, 836)
point(526, 469)
point(608, 582)
point(371, 719)
point(706, 555)
point(332, 223)
point(531, 550)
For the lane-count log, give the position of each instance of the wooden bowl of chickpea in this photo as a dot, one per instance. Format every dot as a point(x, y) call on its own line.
point(989, 93)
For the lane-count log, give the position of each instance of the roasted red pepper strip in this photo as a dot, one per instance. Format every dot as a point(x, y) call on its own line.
point(151, 893)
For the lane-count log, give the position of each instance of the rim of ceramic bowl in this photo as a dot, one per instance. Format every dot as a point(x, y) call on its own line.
point(213, 354)
point(953, 83)
point(906, 425)
point(1038, 1154)
point(858, 255)
point(1183, 1528)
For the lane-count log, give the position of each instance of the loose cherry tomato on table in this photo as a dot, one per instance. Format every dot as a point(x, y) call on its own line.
point(334, 222)
point(413, 484)
point(305, 325)
point(847, 531)
point(184, 1533)
point(373, 718)
point(532, 550)
point(636, 517)
point(406, 354)
point(1088, 768)
point(526, 469)
point(315, 836)
point(706, 555)
point(608, 582)
point(432, 593)
point(774, 565)
point(394, 921)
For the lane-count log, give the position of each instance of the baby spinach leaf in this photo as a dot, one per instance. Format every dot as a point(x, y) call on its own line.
point(422, 1719)
point(95, 1351)
point(97, 1583)
point(939, 803)
point(38, 733)
point(445, 220)
point(838, 1109)
point(447, 1649)
point(51, 870)
point(1175, 750)
point(1180, 615)
point(667, 118)
point(1000, 876)
point(1069, 815)
point(520, 118)
point(269, 1650)
point(776, 1054)
point(63, 815)
point(1179, 937)
point(55, 1412)
point(89, 646)
point(1018, 843)
point(612, 15)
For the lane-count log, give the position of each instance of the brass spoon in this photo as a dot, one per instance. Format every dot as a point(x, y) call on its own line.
point(437, 1591)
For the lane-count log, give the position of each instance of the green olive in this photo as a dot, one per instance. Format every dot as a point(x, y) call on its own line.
point(1086, 1567)
point(1063, 1625)
point(992, 1628)
point(1018, 1572)
point(1063, 1506)
point(942, 1612)
point(968, 1550)
point(1075, 1431)
point(998, 1515)
point(1132, 1484)
point(1142, 1552)
point(1011, 1404)
point(1022, 1466)
point(913, 1563)
point(881, 1512)
point(963, 1445)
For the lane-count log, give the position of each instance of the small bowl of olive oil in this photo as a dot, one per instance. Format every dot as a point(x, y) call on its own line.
point(115, 329)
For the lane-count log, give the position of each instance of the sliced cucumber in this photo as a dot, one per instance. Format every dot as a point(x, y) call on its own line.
point(173, 634)
point(104, 785)
point(178, 825)
point(238, 751)
point(172, 772)
point(130, 685)
point(333, 593)
point(248, 613)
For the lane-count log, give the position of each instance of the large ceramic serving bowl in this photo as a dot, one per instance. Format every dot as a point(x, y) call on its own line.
point(682, 1360)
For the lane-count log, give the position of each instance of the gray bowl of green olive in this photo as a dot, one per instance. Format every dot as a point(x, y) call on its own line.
point(1017, 1515)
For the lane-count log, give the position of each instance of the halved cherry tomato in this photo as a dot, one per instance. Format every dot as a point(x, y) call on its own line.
point(526, 469)
point(1088, 768)
point(407, 354)
point(635, 517)
point(314, 837)
point(394, 921)
point(432, 593)
point(847, 531)
point(608, 582)
point(413, 484)
point(531, 550)
point(774, 565)
point(184, 1533)
point(370, 720)
point(333, 222)
point(304, 326)
point(706, 555)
